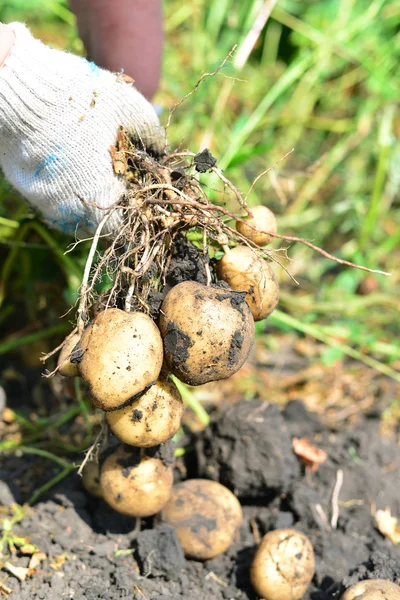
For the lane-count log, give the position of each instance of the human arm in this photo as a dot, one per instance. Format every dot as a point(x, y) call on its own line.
point(124, 34)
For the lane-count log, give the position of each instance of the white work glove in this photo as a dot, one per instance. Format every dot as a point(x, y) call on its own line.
point(59, 115)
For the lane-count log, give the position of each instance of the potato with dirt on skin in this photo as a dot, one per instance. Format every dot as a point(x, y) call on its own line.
point(152, 419)
point(91, 478)
point(372, 589)
point(208, 331)
point(64, 364)
point(122, 354)
point(244, 271)
point(283, 565)
point(258, 226)
point(206, 516)
point(133, 485)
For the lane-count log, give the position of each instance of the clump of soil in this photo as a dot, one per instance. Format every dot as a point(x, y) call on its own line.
point(249, 451)
point(94, 553)
point(186, 264)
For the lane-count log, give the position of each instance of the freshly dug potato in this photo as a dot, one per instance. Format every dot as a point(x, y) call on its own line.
point(151, 420)
point(206, 516)
point(208, 331)
point(91, 478)
point(283, 565)
point(245, 272)
point(258, 227)
point(65, 366)
point(135, 486)
point(122, 356)
point(373, 589)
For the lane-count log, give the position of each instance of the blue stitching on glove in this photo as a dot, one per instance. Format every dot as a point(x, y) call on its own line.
point(48, 164)
point(69, 220)
point(94, 69)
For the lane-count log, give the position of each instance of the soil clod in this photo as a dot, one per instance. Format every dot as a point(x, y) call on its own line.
point(204, 161)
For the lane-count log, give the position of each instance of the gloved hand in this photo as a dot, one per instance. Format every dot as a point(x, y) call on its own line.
point(59, 115)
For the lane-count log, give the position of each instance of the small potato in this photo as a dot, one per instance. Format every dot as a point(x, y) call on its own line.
point(91, 478)
point(151, 420)
point(208, 331)
point(135, 486)
point(283, 565)
point(258, 227)
point(122, 355)
point(65, 366)
point(373, 589)
point(206, 516)
point(245, 272)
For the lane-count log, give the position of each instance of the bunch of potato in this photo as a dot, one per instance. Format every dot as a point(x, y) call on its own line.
point(245, 271)
point(204, 333)
point(120, 356)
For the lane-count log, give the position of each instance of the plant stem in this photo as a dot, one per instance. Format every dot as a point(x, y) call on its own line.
point(190, 401)
point(47, 486)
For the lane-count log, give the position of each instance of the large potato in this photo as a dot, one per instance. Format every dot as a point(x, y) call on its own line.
point(65, 366)
point(134, 485)
point(283, 565)
point(245, 272)
point(151, 420)
point(373, 589)
point(258, 227)
point(208, 331)
point(122, 356)
point(206, 516)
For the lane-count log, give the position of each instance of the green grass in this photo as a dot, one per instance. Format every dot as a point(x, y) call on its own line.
point(322, 78)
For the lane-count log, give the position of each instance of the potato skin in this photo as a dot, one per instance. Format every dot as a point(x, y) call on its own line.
point(206, 516)
point(91, 478)
point(134, 486)
point(245, 272)
point(151, 420)
point(372, 589)
point(283, 565)
point(255, 228)
point(122, 355)
point(65, 366)
point(208, 331)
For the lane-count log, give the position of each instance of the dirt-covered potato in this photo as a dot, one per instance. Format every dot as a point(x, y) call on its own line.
point(206, 516)
point(244, 271)
point(135, 485)
point(122, 356)
point(283, 565)
point(91, 478)
point(151, 420)
point(64, 364)
point(258, 227)
point(208, 331)
point(373, 589)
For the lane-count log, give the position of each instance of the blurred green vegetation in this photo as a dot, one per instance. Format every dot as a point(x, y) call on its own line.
point(319, 77)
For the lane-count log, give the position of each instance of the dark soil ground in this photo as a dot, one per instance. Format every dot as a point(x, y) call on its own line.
point(95, 554)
